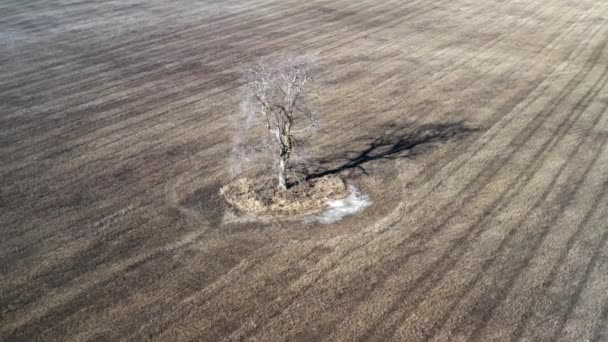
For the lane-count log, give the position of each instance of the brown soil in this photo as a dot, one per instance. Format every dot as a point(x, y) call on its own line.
point(478, 129)
point(261, 197)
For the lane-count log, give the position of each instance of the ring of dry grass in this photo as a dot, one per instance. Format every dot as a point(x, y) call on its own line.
point(262, 198)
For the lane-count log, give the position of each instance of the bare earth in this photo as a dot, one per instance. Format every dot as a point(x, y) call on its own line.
point(479, 130)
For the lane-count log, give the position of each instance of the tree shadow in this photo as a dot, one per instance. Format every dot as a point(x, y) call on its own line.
point(395, 143)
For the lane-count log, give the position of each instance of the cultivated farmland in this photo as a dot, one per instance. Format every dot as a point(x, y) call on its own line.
point(477, 129)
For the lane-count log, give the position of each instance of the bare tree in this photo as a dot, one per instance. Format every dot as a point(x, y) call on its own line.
point(275, 93)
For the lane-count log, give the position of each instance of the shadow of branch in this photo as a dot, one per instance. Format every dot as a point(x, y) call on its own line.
point(396, 142)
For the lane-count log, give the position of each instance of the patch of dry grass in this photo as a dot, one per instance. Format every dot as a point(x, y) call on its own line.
point(261, 197)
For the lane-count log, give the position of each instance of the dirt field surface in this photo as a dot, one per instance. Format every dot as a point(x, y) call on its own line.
point(478, 129)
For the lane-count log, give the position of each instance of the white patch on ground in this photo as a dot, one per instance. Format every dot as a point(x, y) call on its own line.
point(338, 209)
point(10, 38)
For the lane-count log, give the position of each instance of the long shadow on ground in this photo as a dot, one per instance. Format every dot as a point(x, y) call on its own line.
point(396, 142)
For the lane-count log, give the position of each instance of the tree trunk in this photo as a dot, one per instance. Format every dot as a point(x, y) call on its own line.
point(285, 141)
point(283, 173)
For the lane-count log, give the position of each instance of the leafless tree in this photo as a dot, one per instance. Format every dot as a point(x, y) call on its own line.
point(276, 92)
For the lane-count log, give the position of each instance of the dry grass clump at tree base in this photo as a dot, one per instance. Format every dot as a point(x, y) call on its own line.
point(260, 196)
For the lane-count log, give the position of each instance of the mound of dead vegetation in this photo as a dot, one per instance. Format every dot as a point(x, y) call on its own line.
point(262, 197)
